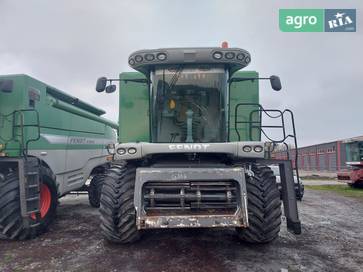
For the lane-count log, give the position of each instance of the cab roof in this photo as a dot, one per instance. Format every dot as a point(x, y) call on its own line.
point(145, 60)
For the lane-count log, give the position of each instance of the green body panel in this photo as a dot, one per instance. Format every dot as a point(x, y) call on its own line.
point(71, 126)
point(134, 118)
point(134, 109)
point(244, 92)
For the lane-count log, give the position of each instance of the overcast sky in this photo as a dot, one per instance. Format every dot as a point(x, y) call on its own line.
point(69, 44)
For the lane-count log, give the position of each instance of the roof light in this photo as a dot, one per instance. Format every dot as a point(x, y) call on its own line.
point(217, 55)
point(240, 56)
point(138, 58)
point(229, 55)
point(149, 57)
point(161, 56)
point(131, 61)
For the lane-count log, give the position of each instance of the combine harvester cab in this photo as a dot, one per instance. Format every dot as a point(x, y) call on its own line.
point(51, 143)
point(190, 151)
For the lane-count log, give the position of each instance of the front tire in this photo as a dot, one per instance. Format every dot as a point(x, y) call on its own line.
point(118, 218)
point(12, 224)
point(264, 207)
point(94, 190)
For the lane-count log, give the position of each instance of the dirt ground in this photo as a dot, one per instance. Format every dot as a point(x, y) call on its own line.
point(332, 240)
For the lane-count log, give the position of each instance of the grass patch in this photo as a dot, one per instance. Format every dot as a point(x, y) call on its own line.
point(343, 189)
point(316, 177)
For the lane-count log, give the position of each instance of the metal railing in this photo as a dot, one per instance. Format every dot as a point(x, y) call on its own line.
point(254, 123)
point(17, 119)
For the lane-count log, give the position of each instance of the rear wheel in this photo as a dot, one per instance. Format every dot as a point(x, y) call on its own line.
point(118, 218)
point(94, 190)
point(12, 224)
point(264, 207)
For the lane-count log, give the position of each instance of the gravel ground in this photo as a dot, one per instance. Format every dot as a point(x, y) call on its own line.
point(332, 240)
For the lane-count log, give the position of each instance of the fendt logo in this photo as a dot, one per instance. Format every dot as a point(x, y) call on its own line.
point(317, 20)
point(193, 147)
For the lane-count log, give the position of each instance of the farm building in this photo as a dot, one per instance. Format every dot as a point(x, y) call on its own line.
point(331, 156)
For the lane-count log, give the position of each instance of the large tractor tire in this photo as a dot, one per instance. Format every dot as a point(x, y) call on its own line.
point(11, 222)
point(264, 207)
point(118, 218)
point(94, 190)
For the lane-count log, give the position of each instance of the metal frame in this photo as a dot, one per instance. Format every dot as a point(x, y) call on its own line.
point(23, 147)
point(24, 161)
point(259, 125)
point(143, 175)
point(285, 166)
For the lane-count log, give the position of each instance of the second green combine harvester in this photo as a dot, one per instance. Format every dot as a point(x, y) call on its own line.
point(190, 153)
point(50, 144)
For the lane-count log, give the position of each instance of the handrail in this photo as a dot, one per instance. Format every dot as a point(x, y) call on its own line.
point(253, 124)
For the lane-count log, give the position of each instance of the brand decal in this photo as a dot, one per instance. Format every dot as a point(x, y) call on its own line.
point(193, 147)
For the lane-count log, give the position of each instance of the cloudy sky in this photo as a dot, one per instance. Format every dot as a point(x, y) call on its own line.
point(69, 44)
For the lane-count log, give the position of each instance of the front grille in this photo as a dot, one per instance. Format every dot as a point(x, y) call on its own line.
point(195, 197)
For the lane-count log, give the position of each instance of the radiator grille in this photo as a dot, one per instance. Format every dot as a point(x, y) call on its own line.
point(190, 196)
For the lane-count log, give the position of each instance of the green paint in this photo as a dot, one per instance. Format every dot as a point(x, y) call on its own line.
point(243, 92)
point(75, 119)
point(134, 107)
point(301, 20)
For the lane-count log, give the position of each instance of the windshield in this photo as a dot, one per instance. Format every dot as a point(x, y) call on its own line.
point(189, 104)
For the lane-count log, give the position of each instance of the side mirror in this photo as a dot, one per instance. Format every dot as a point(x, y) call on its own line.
point(101, 84)
point(275, 83)
point(110, 88)
point(6, 85)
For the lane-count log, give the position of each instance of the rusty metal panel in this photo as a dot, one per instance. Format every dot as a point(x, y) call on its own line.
point(144, 221)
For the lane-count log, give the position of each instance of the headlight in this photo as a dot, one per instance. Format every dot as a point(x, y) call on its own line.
point(258, 148)
point(131, 61)
point(132, 150)
point(121, 151)
point(247, 148)
point(161, 56)
point(217, 55)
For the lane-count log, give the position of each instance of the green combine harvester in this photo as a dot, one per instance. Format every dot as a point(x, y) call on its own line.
point(190, 151)
point(50, 144)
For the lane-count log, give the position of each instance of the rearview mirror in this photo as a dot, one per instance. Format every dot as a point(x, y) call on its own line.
point(275, 83)
point(110, 88)
point(101, 84)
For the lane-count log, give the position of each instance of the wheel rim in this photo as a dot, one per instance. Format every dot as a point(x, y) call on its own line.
point(45, 201)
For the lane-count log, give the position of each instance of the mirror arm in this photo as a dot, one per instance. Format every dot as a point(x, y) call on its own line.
point(239, 79)
point(146, 81)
